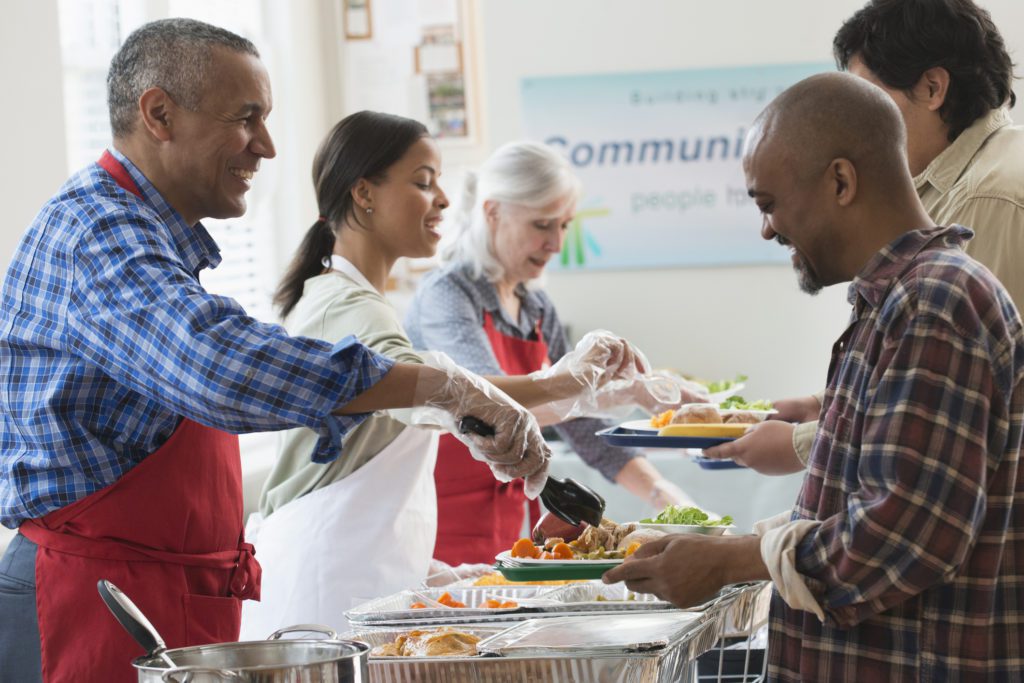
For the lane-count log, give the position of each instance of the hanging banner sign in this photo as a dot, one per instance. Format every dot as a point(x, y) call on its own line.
point(659, 155)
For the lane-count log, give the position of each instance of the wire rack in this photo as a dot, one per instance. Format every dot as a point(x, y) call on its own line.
point(739, 655)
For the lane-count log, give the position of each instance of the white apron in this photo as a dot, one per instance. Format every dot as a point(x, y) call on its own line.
point(368, 535)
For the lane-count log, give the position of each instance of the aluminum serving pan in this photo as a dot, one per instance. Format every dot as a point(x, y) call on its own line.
point(542, 601)
point(595, 596)
point(395, 609)
point(674, 660)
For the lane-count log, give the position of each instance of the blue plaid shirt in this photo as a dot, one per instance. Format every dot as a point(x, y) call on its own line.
point(107, 339)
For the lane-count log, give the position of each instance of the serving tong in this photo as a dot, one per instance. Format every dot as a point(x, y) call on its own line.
point(569, 500)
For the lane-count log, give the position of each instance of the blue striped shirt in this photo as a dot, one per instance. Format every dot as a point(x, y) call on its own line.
point(107, 340)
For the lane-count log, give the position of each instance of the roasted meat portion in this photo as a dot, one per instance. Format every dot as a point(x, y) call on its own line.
point(606, 536)
point(439, 642)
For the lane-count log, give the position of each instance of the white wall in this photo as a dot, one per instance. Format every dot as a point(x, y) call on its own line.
point(711, 321)
point(32, 117)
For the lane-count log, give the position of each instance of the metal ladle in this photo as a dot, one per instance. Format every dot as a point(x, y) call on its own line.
point(134, 621)
point(570, 500)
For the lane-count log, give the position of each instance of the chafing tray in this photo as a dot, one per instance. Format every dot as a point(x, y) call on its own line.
point(661, 658)
point(394, 609)
point(598, 596)
point(540, 602)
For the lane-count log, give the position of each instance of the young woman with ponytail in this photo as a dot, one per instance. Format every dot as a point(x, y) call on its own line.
point(483, 309)
point(363, 525)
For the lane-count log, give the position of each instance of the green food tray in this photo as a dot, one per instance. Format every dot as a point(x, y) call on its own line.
point(553, 573)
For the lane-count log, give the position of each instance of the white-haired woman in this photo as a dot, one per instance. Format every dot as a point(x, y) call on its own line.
point(478, 309)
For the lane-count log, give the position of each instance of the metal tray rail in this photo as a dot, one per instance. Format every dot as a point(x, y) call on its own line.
point(666, 666)
point(748, 611)
point(733, 657)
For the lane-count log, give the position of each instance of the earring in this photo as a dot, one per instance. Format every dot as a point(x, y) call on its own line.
point(369, 211)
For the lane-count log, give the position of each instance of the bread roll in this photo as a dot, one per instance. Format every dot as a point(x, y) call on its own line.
point(640, 536)
point(697, 413)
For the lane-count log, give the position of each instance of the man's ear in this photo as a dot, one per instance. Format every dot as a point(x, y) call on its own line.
point(932, 87)
point(842, 176)
point(155, 112)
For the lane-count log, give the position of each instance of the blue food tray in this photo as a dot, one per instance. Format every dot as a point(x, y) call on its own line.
point(621, 436)
point(713, 464)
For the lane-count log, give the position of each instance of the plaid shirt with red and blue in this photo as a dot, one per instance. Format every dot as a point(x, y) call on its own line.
point(918, 560)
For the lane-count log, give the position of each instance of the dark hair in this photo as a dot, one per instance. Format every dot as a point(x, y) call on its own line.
point(363, 145)
point(171, 54)
point(898, 40)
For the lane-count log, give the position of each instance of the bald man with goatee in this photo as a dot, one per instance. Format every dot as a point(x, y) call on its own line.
point(903, 557)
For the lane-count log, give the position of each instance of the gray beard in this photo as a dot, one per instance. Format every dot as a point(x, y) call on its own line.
point(806, 279)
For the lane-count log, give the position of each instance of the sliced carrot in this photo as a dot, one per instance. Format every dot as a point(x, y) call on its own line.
point(508, 604)
point(417, 605)
point(562, 551)
point(524, 547)
point(632, 548)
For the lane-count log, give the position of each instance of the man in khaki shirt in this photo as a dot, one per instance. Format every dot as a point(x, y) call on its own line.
point(945, 65)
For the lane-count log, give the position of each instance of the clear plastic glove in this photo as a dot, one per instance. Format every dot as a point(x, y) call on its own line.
point(664, 493)
point(604, 376)
point(443, 574)
point(654, 392)
point(515, 449)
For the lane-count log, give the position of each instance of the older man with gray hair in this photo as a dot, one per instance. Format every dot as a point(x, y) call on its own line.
point(903, 558)
point(123, 382)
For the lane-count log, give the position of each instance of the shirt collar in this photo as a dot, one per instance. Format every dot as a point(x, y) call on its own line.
point(347, 268)
point(196, 245)
point(531, 304)
point(945, 169)
point(874, 280)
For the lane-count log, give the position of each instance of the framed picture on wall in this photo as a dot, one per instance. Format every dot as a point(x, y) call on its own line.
point(441, 59)
point(358, 19)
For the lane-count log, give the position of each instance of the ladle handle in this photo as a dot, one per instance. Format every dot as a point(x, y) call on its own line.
point(132, 618)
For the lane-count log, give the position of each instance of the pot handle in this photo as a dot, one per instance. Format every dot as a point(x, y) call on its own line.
point(188, 672)
point(305, 628)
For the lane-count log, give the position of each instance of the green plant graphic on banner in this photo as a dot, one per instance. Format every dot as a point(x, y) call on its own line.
point(579, 240)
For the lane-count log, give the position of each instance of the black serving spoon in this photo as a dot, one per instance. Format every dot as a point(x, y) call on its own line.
point(571, 501)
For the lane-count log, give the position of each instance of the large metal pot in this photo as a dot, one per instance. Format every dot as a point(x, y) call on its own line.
point(262, 661)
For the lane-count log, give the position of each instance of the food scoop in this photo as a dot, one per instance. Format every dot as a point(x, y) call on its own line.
point(568, 499)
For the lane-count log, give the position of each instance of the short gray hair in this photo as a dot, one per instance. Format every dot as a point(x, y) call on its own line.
point(523, 173)
point(171, 54)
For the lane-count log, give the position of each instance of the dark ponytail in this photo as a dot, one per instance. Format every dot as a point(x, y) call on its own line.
point(361, 146)
point(308, 262)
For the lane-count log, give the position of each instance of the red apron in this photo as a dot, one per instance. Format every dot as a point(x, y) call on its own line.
point(168, 533)
point(478, 516)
